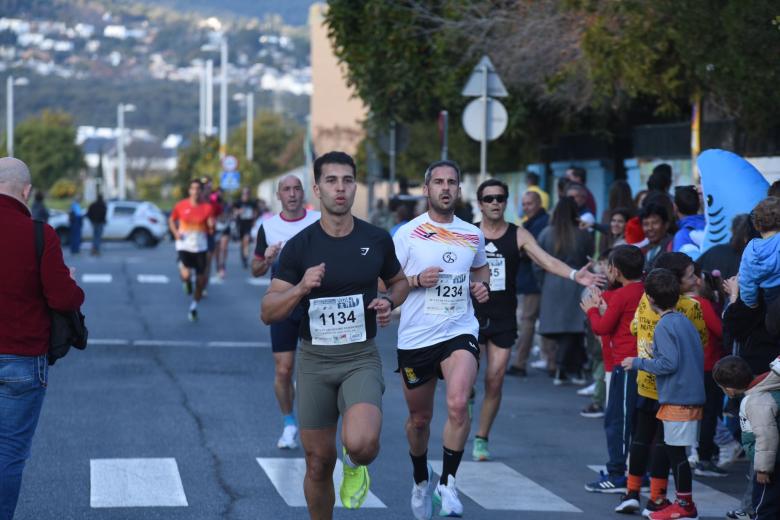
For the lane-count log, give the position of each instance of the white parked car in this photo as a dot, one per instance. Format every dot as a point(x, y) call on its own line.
point(141, 222)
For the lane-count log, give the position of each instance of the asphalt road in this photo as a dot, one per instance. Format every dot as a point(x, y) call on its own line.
point(163, 418)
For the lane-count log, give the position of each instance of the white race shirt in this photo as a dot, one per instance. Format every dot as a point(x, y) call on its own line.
point(430, 316)
point(276, 229)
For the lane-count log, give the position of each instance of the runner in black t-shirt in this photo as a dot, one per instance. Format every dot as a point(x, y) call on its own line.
point(504, 243)
point(245, 212)
point(332, 268)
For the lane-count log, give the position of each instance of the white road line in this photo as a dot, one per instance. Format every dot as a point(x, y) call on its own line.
point(239, 344)
point(165, 343)
point(258, 281)
point(496, 486)
point(96, 278)
point(135, 483)
point(709, 501)
point(101, 341)
point(152, 278)
point(286, 474)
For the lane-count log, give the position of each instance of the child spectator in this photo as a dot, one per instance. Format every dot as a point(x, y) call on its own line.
point(624, 268)
point(678, 364)
point(708, 295)
point(760, 265)
point(758, 417)
point(647, 424)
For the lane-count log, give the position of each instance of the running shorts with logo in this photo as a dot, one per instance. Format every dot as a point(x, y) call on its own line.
point(195, 261)
point(418, 366)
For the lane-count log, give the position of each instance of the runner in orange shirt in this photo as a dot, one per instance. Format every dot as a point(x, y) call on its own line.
point(191, 221)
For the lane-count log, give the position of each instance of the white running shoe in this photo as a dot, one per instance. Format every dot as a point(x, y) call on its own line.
point(422, 504)
point(446, 497)
point(287, 440)
point(540, 364)
point(588, 390)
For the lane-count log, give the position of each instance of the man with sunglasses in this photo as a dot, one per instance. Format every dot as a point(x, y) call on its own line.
point(505, 244)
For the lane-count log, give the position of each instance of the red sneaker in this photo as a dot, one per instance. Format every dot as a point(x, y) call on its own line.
point(653, 506)
point(679, 509)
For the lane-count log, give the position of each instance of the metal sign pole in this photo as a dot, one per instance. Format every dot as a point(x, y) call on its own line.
point(250, 123)
point(483, 142)
point(444, 123)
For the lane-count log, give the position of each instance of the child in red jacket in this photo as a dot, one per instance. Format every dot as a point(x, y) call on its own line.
point(624, 268)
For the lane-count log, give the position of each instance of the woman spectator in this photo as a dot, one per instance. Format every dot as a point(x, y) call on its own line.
point(615, 236)
point(560, 316)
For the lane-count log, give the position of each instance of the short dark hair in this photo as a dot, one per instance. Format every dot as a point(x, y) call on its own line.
point(686, 198)
point(532, 178)
point(774, 190)
point(650, 209)
point(675, 262)
point(732, 372)
point(766, 215)
point(196, 181)
point(576, 186)
point(492, 182)
point(661, 178)
point(580, 173)
point(437, 164)
point(333, 158)
point(663, 287)
point(629, 260)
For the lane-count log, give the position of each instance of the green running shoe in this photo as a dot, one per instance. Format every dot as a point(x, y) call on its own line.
point(480, 451)
point(354, 485)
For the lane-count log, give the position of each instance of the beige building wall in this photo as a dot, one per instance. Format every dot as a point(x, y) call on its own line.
point(336, 113)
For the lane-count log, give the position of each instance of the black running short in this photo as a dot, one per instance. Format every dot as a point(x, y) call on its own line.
point(245, 227)
point(284, 334)
point(195, 261)
point(418, 366)
point(502, 332)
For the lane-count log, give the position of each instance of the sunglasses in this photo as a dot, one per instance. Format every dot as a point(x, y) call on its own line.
point(497, 198)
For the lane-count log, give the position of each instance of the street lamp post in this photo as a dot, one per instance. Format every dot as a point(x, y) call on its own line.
point(10, 82)
point(223, 119)
point(250, 130)
point(209, 97)
point(121, 108)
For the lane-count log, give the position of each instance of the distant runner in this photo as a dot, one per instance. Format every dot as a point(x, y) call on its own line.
point(273, 234)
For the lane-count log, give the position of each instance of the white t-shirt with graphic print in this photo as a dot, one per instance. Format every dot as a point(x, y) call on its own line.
point(430, 316)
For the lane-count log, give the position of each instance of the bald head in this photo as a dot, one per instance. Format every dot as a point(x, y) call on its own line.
point(289, 180)
point(290, 194)
point(15, 178)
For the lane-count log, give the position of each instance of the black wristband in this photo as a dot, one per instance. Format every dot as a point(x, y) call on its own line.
point(487, 285)
point(392, 305)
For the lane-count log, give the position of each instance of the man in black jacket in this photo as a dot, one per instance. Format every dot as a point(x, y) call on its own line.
point(96, 213)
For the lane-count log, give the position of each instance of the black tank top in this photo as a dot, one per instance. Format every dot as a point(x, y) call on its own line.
point(503, 259)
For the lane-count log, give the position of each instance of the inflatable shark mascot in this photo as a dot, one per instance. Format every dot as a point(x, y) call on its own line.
point(730, 186)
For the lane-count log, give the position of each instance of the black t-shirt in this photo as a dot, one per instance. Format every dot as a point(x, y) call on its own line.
point(503, 258)
point(352, 265)
point(246, 209)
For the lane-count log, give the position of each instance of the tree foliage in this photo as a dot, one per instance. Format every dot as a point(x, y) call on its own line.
point(573, 66)
point(47, 143)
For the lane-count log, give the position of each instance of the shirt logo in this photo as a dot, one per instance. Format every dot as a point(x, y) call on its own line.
point(364, 251)
point(449, 257)
point(491, 247)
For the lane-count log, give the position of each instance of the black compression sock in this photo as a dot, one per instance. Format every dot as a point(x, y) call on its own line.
point(450, 463)
point(420, 465)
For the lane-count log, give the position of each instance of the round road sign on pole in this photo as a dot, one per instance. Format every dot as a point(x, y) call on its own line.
point(229, 163)
point(474, 119)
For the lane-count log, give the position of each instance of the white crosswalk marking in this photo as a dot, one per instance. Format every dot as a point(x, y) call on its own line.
point(258, 281)
point(96, 278)
point(709, 501)
point(496, 486)
point(152, 278)
point(286, 474)
point(135, 483)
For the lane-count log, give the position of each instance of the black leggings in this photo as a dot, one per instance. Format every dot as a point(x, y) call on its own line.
point(713, 409)
point(649, 433)
point(570, 356)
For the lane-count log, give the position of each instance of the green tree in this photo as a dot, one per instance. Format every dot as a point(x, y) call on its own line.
point(47, 143)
